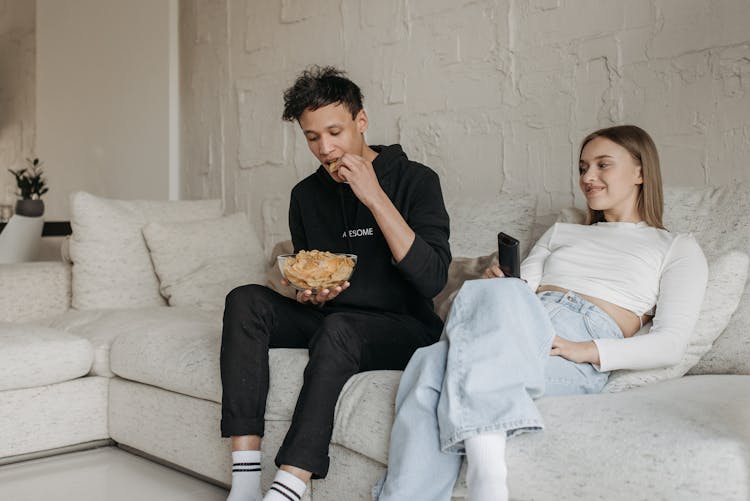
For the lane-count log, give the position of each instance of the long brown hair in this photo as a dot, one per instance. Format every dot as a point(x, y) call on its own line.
point(641, 147)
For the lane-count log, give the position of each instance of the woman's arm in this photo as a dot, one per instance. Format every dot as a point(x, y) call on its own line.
point(681, 289)
point(532, 268)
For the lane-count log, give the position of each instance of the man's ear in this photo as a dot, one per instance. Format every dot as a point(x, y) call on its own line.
point(361, 121)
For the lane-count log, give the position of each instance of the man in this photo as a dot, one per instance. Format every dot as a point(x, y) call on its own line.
point(367, 200)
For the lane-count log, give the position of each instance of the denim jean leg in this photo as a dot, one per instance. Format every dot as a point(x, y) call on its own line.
point(416, 467)
point(499, 337)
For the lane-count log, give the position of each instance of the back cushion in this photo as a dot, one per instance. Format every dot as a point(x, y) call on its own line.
point(475, 225)
point(111, 263)
point(474, 229)
point(720, 220)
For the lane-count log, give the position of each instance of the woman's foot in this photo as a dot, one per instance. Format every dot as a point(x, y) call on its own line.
point(486, 473)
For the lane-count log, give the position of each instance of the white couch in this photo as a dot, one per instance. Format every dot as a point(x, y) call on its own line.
point(76, 367)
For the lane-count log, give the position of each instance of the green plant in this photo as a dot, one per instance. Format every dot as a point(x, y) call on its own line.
point(31, 184)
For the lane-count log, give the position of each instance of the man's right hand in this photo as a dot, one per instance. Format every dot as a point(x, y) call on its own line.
point(493, 271)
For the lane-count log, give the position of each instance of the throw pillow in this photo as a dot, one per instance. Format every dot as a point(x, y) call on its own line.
point(460, 270)
point(111, 264)
point(199, 262)
point(726, 283)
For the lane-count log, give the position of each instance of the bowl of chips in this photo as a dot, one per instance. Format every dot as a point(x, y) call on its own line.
point(316, 270)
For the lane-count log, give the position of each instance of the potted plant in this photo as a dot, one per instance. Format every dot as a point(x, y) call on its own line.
point(31, 187)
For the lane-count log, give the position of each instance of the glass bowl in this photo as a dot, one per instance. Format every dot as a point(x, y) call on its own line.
point(318, 272)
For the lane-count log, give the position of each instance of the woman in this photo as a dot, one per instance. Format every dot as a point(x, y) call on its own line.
point(587, 290)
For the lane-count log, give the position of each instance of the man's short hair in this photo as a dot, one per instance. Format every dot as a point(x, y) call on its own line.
point(320, 86)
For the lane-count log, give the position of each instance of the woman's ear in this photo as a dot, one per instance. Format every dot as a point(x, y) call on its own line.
point(639, 174)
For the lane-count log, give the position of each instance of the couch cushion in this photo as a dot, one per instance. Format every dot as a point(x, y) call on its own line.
point(111, 264)
point(102, 327)
point(199, 262)
point(34, 356)
point(718, 217)
point(672, 439)
point(183, 356)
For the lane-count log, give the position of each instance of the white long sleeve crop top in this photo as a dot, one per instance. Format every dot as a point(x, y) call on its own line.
point(634, 266)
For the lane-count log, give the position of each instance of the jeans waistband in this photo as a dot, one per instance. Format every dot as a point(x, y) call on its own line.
point(571, 300)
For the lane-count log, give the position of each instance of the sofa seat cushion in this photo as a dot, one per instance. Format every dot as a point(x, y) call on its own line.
point(682, 434)
point(34, 356)
point(183, 356)
point(102, 327)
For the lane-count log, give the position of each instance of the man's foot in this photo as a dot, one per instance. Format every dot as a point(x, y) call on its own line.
point(285, 487)
point(245, 476)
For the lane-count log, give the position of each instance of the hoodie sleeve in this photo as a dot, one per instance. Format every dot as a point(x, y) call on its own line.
point(425, 265)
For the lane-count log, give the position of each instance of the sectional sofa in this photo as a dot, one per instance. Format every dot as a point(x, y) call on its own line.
point(119, 344)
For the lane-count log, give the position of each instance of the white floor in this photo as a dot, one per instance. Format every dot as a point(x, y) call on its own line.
point(104, 474)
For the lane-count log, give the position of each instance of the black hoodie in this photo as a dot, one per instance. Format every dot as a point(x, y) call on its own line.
point(327, 216)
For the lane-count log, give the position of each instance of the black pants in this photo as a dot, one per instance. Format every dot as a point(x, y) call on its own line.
point(341, 343)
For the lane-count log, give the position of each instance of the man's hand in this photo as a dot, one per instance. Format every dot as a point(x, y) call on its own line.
point(360, 175)
point(321, 297)
point(578, 352)
point(493, 271)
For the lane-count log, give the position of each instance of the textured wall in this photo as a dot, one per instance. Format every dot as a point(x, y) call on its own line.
point(17, 100)
point(493, 94)
point(103, 98)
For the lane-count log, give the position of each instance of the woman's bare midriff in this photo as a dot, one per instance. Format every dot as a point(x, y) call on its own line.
point(625, 319)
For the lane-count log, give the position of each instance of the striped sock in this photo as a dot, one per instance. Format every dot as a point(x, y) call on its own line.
point(285, 487)
point(245, 476)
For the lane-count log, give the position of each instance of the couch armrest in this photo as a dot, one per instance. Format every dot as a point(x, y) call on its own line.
point(34, 290)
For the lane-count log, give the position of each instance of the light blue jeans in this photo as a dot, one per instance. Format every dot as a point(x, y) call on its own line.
point(484, 376)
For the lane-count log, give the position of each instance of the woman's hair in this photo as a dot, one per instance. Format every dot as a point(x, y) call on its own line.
point(650, 203)
point(320, 86)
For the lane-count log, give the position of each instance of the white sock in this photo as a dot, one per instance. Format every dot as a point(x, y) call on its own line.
point(285, 487)
point(245, 476)
point(486, 473)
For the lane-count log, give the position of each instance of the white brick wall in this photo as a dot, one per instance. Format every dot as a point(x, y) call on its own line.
point(493, 94)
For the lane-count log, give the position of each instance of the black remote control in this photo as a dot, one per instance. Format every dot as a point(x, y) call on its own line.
point(508, 254)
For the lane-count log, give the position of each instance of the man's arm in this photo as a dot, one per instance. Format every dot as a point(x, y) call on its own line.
point(296, 228)
point(419, 247)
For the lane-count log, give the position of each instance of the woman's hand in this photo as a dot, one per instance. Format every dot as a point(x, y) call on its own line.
point(493, 271)
point(578, 352)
